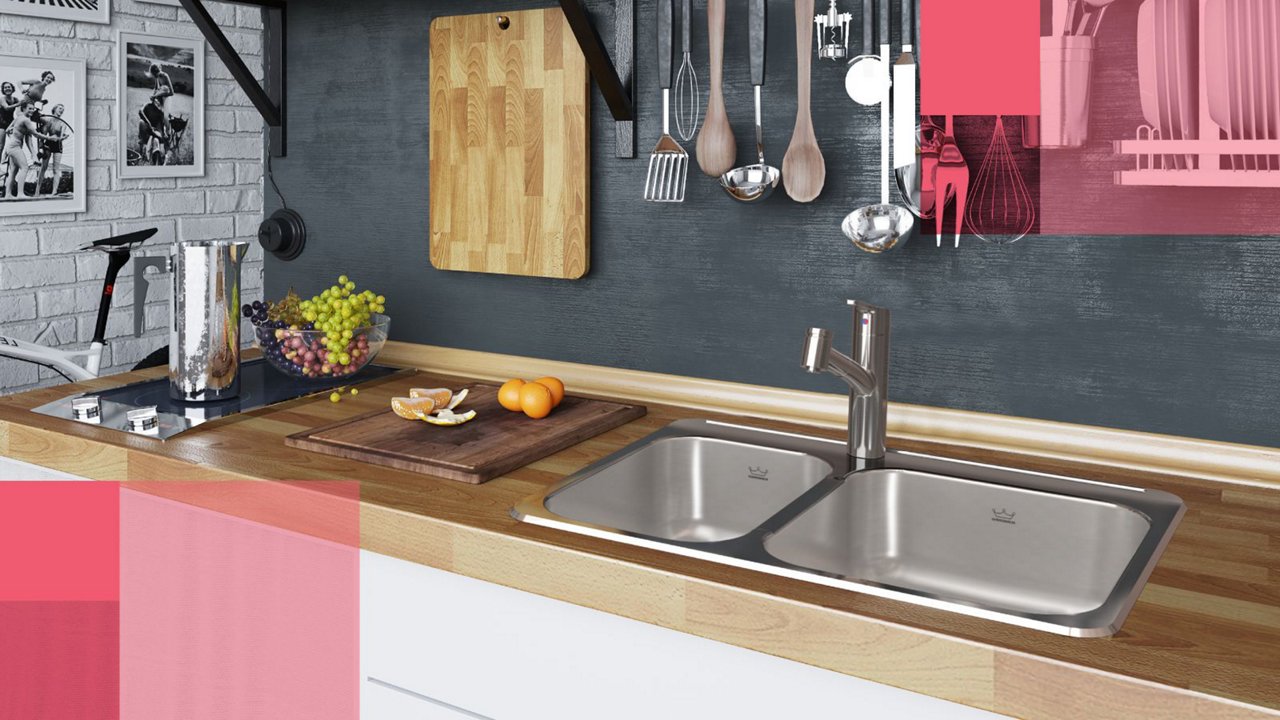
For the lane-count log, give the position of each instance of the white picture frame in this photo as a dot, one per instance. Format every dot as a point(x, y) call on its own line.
point(92, 11)
point(69, 89)
point(142, 151)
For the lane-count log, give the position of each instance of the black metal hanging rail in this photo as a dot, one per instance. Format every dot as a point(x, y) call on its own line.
point(615, 77)
point(270, 101)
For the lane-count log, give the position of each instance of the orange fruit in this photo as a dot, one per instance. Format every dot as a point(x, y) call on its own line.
point(410, 408)
point(555, 386)
point(441, 396)
point(509, 394)
point(536, 400)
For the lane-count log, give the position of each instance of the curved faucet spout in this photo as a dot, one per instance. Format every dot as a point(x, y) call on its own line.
point(820, 357)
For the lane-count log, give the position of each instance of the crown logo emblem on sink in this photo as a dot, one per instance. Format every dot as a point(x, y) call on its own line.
point(1003, 515)
point(758, 473)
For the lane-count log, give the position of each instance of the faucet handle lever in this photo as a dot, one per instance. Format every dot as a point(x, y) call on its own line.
point(869, 318)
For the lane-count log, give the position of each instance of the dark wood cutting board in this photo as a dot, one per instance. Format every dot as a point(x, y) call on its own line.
point(497, 441)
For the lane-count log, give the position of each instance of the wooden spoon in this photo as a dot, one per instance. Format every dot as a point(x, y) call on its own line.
point(803, 169)
point(717, 150)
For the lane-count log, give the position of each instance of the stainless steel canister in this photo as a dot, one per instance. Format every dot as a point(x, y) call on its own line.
point(1066, 79)
point(204, 332)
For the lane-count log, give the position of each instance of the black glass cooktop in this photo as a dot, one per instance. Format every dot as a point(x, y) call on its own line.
point(260, 385)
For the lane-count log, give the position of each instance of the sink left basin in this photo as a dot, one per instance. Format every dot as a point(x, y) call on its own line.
point(699, 488)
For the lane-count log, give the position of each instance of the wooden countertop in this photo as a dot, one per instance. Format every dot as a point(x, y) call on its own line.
point(1202, 641)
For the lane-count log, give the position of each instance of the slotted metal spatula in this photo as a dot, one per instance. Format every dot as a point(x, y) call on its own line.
point(669, 163)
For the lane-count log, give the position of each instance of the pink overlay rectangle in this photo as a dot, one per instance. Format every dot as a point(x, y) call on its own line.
point(239, 599)
point(980, 57)
point(60, 659)
point(59, 541)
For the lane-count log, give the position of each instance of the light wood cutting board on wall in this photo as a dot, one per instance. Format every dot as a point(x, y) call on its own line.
point(510, 164)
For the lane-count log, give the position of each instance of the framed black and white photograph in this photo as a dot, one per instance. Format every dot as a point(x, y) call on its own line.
point(161, 106)
point(42, 109)
point(94, 11)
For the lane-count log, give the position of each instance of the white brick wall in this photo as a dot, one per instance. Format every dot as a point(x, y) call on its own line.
point(43, 280)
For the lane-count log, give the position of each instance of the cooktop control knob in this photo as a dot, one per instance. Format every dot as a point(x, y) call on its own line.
point(142, 420)
point(87, 409)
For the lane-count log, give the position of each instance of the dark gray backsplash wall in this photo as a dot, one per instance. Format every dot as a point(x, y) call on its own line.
point(1170, 335)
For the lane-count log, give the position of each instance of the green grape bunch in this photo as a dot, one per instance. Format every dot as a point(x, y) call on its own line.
point(288, 310)
point(338, 311)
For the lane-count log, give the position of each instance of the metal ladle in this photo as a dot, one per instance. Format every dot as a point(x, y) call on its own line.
point(753, 183)
point(880, 227)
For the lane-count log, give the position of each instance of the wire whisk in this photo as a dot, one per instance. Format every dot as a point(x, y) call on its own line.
point(688, 100)
point(1001, 209)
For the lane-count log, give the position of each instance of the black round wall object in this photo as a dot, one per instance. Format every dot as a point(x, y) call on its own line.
point(283, 234)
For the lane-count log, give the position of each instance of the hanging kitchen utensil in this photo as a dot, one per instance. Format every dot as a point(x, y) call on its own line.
point(495, 207)
point(1001, 209)
point(804, 171)
point(832, 33)
point(1091, 20)
point(904, 94)
point(669, 163)
point(717, 150)
point(915, 182)
point(1073, 10)
point(951, 176)
point(880, 227)
point(754, 182)
point(867, 79)
point(688, 97)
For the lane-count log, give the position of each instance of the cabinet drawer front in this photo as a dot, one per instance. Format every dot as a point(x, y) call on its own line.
point(508, 654)
point(379, 701)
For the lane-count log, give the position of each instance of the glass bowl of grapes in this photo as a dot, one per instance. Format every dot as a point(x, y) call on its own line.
point(330, 336)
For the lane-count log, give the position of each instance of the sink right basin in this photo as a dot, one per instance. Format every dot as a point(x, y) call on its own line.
point(996, 546)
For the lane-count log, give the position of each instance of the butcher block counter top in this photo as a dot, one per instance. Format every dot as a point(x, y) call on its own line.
point(1203, 640)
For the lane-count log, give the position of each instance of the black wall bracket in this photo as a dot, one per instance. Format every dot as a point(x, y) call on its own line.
point(615, 77)
point(270, 101)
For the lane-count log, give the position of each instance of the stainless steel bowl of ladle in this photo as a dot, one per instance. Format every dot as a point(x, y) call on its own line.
point(877, 228)
point(752, 183)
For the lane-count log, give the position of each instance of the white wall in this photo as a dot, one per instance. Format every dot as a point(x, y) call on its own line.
point(43, 279)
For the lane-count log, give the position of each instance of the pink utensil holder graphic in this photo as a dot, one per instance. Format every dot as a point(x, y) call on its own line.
point(1066, 78)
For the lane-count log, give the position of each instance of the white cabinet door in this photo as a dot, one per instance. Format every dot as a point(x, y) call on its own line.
point(11, 469)
point(505, 654)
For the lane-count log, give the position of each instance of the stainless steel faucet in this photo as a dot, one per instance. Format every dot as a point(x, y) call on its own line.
point(867, 373)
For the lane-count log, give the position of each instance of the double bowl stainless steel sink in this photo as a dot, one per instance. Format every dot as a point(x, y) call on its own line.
point(1060, 554)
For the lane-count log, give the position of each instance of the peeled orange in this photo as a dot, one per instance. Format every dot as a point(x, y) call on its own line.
point(509, 394)
point(536, 400)
point(555, 386)
point(441, 396)
point(410, 408)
